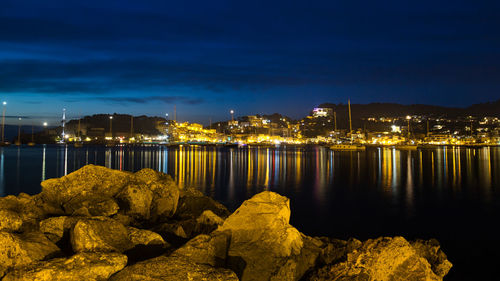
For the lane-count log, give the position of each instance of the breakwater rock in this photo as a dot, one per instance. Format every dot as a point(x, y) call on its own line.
point(102, 224)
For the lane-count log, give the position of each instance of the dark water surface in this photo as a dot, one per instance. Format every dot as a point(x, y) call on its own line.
point(447, 193)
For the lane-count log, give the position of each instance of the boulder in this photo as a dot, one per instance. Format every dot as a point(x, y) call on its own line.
point(56, 228)
point(380, 259)
point(82, 266)
point(135, 200)
point(99, 234)
point(144, 237)
point(165, 192)
point(192, 203)
point(431, 251)
point(206, 249)
point(146, 244)
point(31, 209)
point(10, 221)
point(172, 268)
point(207, 222)
point(88, 181)
point(263, 241)
point(91, 206)
point(22, 249)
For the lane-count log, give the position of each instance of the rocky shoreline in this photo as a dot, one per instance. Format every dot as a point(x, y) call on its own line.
point(102, 224)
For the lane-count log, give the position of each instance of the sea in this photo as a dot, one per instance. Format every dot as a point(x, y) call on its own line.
point(447, 193)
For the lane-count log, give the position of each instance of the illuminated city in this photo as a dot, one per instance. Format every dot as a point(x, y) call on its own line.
point(249, 140)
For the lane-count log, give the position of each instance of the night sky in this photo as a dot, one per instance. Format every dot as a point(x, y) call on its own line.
point(207, 57)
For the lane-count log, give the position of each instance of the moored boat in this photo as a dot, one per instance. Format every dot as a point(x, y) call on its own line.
point(348, 147)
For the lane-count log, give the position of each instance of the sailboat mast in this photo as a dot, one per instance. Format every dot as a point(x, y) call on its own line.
point(78, 133)
point(63, 124)
point(350, 121)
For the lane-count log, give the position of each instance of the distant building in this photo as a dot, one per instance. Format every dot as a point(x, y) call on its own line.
point(322, 112)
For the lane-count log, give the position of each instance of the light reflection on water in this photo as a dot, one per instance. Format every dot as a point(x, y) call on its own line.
point(449, 192)
point(249, 170)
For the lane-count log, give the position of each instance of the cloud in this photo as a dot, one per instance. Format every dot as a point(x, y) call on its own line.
point(143, 100)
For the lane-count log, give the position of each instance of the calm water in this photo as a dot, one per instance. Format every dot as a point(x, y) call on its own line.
point(448, 193)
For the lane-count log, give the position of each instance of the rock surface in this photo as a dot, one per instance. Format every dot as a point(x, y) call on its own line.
point(262, 240)
point(22, 249)
point(100, 224)
point(83, 266)
point(135, 201)
point(172, 268)
point(164, 190)
point(100, 234)
point(144, 237)
point(10, 221)
point(89, 181)
point(381, 259)
point(206, 249)
point(431, 251)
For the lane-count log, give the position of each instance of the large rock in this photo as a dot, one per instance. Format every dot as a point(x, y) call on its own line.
point(22, 249)
point(82, 266)
point(431, 251)
point(10, 221)
point(192, 203)
point(135, 200)
point(31, 209)
point(100, 234)
point(165, 192)
point(91, 206)
point(89, 181)
point(263, 241)
point(207, 222)
point(172, 268)
point(56, 228)
point(380, 259)
point(144, 237)
point(206, 249)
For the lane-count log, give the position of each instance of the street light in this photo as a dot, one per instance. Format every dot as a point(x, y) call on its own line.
point(408, 118)
point(232, 114)
point(111, 126)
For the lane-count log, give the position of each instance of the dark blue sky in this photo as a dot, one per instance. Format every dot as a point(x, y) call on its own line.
point(207, 57)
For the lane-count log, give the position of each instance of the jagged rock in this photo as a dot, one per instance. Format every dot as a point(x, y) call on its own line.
point(262, 240)
point(146, 244)
point(172, 268)
point(192, 203)
point(165, 192)
point(99, 234)
point(56, 228)
point(380, 259)
point(207, 222)
point(22, 249)
point(10, 221)
point(82, 266)
point(89, 181)
point(91, 206)
point(31, 209)
point(144, 237)
point(206, 249)
point(431, 251)
point(135, 201)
